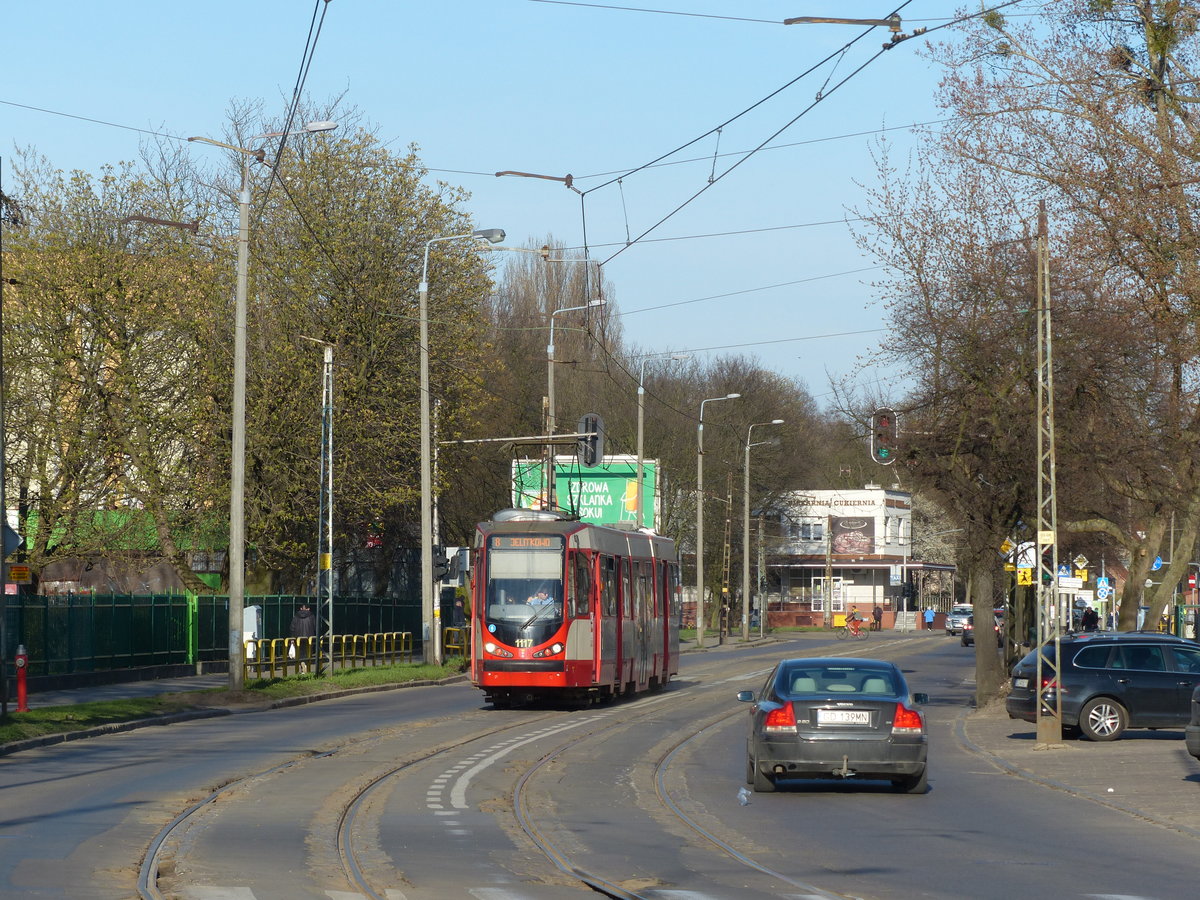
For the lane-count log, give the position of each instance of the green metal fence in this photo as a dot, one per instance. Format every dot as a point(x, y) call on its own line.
point(91, 633)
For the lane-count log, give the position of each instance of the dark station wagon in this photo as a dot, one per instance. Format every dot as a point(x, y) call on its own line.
point(1111, 681)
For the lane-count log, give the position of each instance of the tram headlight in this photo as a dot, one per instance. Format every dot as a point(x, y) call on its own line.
point(553, 650)
point(497, 650)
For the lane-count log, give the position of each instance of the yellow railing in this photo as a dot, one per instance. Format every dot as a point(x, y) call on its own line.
point(280, 657)
point(454, 641)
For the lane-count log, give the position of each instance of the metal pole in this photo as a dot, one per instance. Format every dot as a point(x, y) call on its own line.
point(700, 518)
point(700, 529)
point(762, 610)
point(551, 502)
point(427, 606)
point(237, 512)
point(430, 612)
point(641, 425)
point(1048, 717)
point(746, 540)
point(746, 528)
point(328, 454)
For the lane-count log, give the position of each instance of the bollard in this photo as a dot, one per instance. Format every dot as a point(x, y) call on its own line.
point(21, 662)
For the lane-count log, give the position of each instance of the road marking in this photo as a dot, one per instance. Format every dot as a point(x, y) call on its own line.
point(458, 793)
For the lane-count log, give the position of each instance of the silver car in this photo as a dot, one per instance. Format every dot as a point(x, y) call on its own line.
point(957, 618)
point(846, 719)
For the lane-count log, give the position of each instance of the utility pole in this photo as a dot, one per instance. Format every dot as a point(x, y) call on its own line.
point(1049, 715)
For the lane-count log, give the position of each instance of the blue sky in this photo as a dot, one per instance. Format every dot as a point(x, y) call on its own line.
point(760, 263)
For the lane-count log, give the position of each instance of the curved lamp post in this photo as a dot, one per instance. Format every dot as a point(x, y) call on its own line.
point(700, 518)
point(237, 475)
point(746, 529)
point(431, 644)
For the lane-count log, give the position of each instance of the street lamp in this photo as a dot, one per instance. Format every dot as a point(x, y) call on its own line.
point(700, 518)
point(746, 529)
point(641, 397)
point(551, 418)
point(431, 647)
point(237, 474)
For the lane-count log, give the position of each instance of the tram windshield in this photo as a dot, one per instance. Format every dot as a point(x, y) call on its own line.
point(525, 589)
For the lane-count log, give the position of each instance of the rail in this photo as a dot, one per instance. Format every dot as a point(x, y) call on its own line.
point(280, 657)
point(454, 641)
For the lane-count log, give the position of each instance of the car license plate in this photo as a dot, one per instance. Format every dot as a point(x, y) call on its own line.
point(843, 717)
point(1020, 682)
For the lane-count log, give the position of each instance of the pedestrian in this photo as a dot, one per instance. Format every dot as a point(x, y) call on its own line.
point(877, 618)
point(1090, 620)
point(304, 625)
point(929, 616)
point(459, 618)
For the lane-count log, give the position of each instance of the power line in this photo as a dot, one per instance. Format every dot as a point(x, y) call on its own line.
point(665, 12)
point(306, 58)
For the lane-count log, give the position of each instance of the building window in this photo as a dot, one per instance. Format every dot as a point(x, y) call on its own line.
point(812, 531)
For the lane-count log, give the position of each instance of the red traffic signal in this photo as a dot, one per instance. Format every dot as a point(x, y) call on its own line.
point(884, 434)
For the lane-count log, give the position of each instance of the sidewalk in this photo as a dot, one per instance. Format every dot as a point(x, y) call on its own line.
point(1146, 773)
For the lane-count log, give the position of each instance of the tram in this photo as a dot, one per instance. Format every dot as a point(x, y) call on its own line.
point(566, 611)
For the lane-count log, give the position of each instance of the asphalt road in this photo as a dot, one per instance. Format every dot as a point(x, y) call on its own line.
point(1001, 819)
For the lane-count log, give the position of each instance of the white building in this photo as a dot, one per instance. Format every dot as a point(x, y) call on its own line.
point(853, 547)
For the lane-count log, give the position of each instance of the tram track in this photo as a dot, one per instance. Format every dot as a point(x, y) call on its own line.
point(351, 846)
point(149, 870)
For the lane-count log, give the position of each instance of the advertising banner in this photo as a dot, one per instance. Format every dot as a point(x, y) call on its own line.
point(853, 535)
point(603, 494)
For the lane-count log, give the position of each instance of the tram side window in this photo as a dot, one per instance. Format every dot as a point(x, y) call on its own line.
point(626, 589)
point(645, 589)
point(582, 583)
point(674, 595)
point(608, 585)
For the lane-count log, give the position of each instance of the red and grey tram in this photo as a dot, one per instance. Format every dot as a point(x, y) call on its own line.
point(567, 611)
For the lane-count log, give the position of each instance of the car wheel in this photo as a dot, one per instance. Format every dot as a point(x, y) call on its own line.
point(965, 642)
point(763, 783)
point(1102, 719)
point(914, 784)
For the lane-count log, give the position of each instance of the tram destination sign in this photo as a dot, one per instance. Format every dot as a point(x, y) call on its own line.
point(605, 494)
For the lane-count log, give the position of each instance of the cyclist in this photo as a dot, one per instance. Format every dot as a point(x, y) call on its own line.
point(854, 621)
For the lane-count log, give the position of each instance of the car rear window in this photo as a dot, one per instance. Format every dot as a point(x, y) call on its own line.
point(838, 680)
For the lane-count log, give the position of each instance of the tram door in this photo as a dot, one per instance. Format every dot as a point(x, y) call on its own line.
point(643, 600)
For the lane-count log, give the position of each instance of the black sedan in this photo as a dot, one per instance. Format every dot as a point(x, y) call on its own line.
point(844, 719)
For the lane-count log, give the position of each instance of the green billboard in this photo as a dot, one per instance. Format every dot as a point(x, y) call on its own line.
point(603, 494)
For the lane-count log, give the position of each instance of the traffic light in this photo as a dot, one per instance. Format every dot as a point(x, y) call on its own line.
point(591, 448)
point(441, 565)
point(884, 434)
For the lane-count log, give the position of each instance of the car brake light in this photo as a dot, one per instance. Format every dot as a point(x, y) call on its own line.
point(1049, 684)
point(907, 721)
point(781, 719)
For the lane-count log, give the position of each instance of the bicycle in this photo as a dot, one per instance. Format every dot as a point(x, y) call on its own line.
point(845, 631)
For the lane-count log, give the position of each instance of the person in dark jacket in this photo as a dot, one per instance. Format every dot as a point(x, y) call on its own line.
point(304, 623)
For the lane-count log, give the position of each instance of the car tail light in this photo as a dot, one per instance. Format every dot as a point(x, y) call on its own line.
point(907, 721)
point(1049, 684)
point(781, 719)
